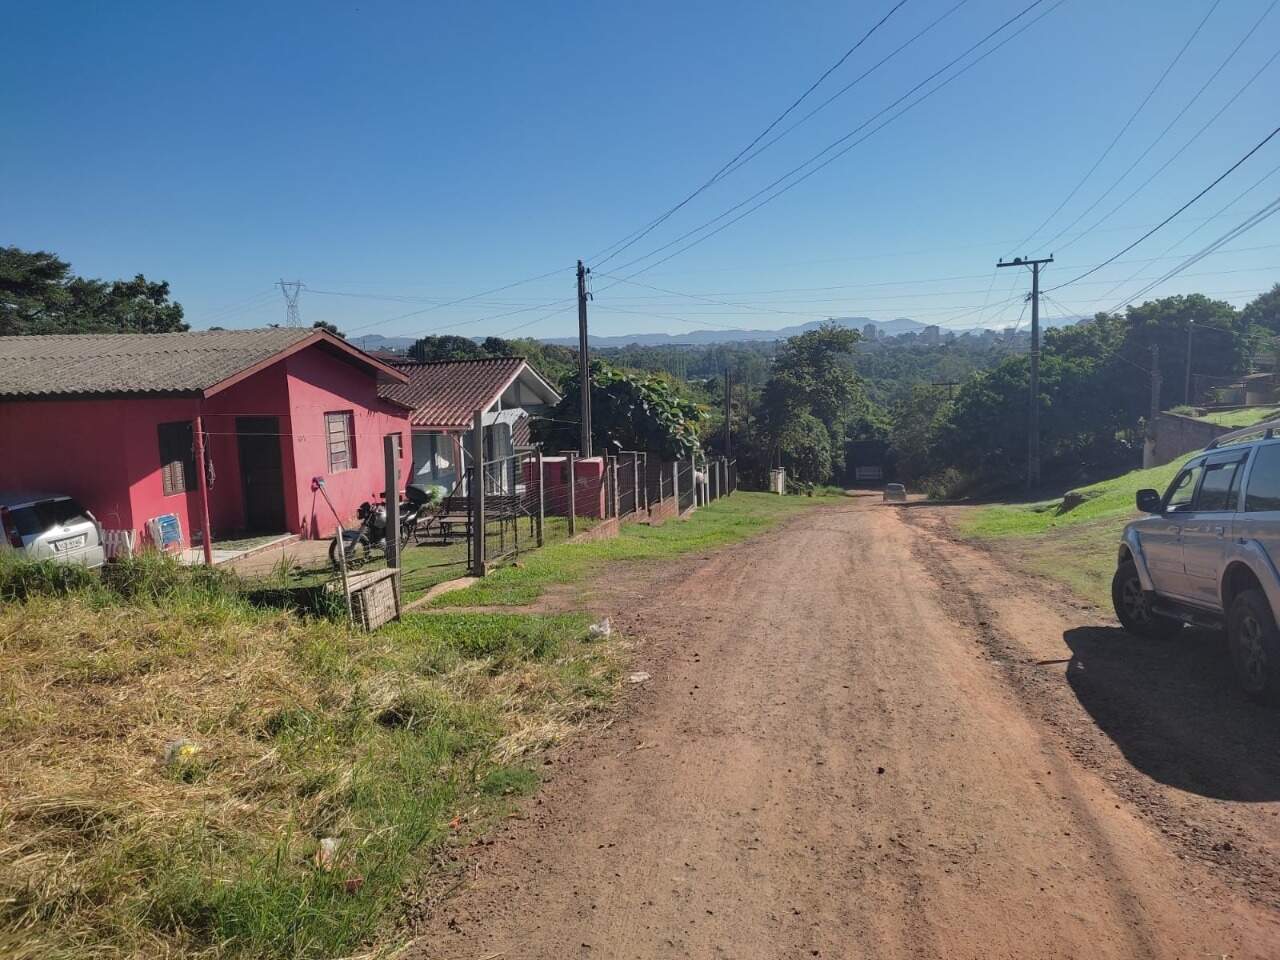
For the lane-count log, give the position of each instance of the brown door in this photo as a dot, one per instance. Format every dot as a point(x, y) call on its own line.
point(261, 476)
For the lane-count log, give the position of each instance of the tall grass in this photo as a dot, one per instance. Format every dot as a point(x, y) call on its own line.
point(113, 843)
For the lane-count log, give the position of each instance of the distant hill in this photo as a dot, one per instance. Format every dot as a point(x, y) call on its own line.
point(889, 328)
point(376, 341)
point(740, 335)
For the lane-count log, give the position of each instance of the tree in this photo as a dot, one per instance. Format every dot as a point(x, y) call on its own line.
point(448, 347)
point(813, 381)
point(629, 411)
point(40, 295)
point(328, 327)
point(914, 426)
point(1263, 311)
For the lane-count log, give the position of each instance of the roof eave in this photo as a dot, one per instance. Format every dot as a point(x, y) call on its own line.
point(319, 336)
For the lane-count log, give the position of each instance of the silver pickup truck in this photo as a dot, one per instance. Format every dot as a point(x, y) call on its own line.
point(1206, 555)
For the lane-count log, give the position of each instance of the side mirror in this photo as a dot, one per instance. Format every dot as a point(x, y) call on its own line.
point(1148, 501)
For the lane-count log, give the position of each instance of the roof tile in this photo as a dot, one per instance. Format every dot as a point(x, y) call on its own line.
point(96, 363)
point(447, 393)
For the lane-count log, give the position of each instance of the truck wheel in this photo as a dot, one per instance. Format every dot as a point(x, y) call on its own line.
point(1133, 609)
point(1254, 641)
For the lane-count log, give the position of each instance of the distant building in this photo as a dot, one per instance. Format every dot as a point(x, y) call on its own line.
point(871, 331)
point(931, 335)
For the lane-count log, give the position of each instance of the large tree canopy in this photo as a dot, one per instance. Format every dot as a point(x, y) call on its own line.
point(812, 402)
point(629, 411)
point(40, 295)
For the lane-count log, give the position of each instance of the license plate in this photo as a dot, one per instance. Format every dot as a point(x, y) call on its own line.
point(71, 543)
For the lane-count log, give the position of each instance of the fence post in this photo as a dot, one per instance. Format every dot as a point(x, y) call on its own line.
point(477, 494)
point(662, 495)
point(613, 483)
point(675, 484)
point(644, 472)
point(542, 499)
point(573, 493)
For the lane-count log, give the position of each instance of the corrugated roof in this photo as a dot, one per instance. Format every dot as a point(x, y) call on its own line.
point(447, 393)
point(108, 363)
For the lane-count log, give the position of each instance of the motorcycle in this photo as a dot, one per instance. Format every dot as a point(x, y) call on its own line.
point(371, 534)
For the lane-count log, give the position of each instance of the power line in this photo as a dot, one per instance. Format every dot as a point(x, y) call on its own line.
point(1163, 133)
point(1124, 129)
point(1222, 176)
point(843, 140)
point(1182, 149)
point(1177, 243)
point(1248, 224)
point(644, 231)
point(455, 302)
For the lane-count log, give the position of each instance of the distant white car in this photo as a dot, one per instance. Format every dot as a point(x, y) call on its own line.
point(51, 526)
point(895, 493)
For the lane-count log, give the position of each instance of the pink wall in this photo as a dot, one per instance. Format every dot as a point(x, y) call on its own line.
point(318, 384)
point(106, 452)
point(588, 493)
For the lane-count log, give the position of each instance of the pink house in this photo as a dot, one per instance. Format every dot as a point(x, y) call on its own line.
point(123, 422)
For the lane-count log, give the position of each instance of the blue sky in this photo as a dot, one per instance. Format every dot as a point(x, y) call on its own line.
point(404, 155)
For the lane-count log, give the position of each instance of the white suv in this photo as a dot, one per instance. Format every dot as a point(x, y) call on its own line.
point(1207, 555)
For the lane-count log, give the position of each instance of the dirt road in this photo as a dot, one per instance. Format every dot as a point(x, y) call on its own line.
point(865, 739)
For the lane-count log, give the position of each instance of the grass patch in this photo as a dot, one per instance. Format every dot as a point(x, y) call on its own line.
point(171, 759)
point(1072, 539)
point(1108, 500)
point(725, 521)
point(1245, 417)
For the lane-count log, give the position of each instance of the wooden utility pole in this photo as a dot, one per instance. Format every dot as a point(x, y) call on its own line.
point(1149, 442)
point(1186, 386)
point(202, 470)
point(1033, 414)
point(477, 495)
point(584, 365)
point(728, 413)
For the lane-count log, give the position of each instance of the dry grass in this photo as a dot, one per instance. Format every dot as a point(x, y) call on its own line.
point(299, 731)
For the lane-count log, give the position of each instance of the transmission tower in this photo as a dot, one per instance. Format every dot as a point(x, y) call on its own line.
point(291, 289)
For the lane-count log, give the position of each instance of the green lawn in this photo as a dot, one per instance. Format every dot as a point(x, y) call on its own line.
point(1241, 418)
point(725, 521)
point(1076, 546)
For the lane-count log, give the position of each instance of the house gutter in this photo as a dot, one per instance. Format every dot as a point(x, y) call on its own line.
point(204, 490)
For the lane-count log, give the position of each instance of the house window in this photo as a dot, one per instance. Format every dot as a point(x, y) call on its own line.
point(177, 457)
point(339, 429)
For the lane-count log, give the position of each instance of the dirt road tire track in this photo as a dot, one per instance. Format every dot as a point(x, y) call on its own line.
point(834, 760)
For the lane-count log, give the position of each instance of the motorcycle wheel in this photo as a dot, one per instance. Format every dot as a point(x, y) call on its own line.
point(357, 548)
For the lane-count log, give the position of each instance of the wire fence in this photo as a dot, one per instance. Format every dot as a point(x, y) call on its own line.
point(520, 503)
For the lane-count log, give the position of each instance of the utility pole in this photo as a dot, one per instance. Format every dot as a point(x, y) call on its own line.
point(291, 290)
point(1033, 418)
point(584, 364)
point(1186, 386)
point(728, 413)
point(1149, 443)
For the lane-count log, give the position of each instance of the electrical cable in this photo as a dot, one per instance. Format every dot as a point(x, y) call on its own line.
point(1164, 166)
point(1127, 124)
point(1222, 176)
point(1163, 133)
point(725, 168)
point(842, 140)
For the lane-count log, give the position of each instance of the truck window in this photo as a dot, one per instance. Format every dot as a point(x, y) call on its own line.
point(1217, 490)
point(1183, 489)
point(1263, 492)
